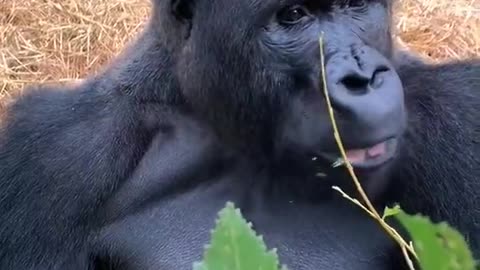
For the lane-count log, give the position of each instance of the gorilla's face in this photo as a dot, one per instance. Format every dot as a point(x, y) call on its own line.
point(253, 69)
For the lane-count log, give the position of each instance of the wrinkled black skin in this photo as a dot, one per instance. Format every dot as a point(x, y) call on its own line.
point(128, 170)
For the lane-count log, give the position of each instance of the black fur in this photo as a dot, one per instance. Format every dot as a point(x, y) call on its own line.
point(438, 173)
point(218, 101)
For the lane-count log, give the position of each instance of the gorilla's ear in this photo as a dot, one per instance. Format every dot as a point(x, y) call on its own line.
point(182, 9)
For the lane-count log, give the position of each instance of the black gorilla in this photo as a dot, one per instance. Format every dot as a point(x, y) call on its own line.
point(221, 100)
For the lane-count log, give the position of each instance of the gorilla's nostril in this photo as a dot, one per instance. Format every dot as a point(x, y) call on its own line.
point(378, 77)
point(359, 83)
point(355, 83)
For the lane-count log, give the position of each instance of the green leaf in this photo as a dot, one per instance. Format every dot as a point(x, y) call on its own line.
point(235, 246)
point(438, 246)
point(388, 212)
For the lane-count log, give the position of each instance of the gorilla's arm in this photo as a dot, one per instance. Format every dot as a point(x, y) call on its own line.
point(441, 169)
point(64, 151)
point(61, 153)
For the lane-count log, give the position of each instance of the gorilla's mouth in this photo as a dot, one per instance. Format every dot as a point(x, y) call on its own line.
point(368, 157)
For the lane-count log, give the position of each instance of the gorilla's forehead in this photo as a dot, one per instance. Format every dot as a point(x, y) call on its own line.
point(259, 5)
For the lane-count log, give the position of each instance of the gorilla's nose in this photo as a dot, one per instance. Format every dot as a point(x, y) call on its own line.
point(360, 82)
point(364, 86)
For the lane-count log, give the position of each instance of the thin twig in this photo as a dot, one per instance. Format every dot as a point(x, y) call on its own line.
point(371, 210)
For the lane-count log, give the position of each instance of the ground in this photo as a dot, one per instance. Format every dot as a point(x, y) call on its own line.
point(58, 40)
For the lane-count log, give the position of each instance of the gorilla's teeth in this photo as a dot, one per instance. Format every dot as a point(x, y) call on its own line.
point(314, 158)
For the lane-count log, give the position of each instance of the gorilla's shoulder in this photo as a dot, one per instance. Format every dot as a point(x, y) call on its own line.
point(450, 81)
point(52, 107)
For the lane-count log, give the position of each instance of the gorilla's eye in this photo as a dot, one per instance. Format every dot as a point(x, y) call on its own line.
point(357, 3)
point(292, 15)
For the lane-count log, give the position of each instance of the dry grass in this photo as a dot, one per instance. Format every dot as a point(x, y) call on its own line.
point(440, 29)
point(61, 40)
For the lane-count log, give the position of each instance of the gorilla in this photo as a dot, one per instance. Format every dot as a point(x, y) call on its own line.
point(223, 101)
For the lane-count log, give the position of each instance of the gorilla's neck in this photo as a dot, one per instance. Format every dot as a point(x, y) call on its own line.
point(145, 72)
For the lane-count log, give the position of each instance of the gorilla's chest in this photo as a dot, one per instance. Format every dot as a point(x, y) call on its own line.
point(171, 234)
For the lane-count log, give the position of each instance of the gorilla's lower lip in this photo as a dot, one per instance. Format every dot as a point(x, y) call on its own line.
point(368, 157)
